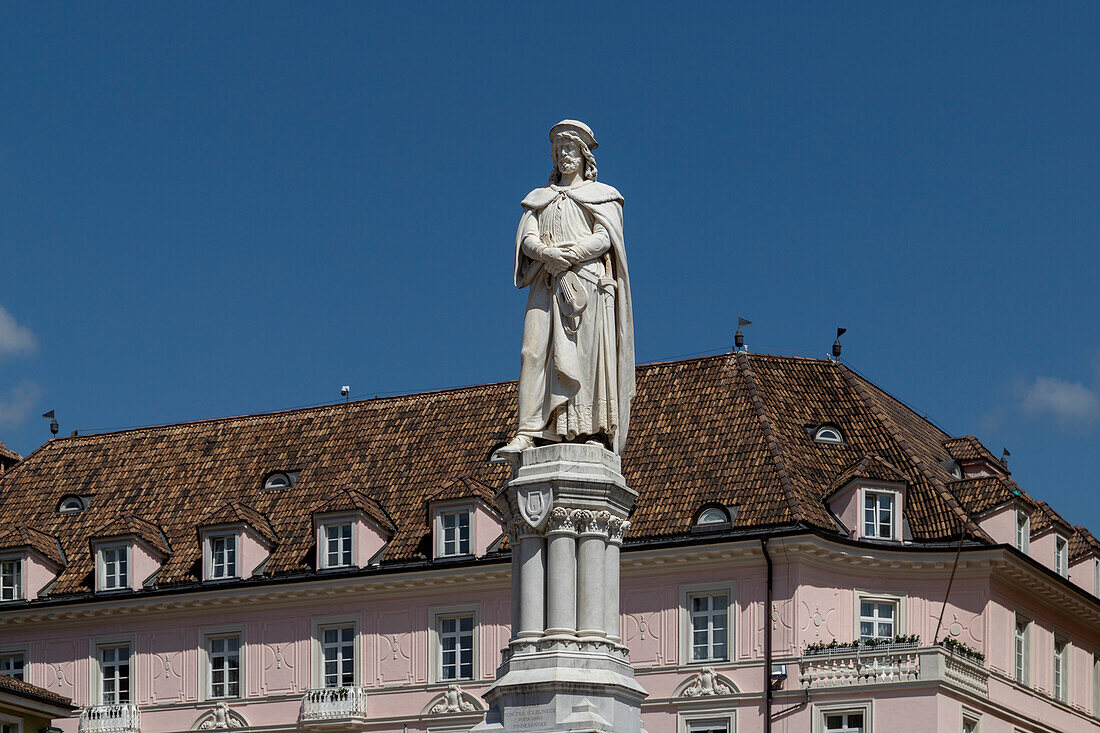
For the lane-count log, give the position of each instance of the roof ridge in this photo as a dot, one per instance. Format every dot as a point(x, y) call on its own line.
point(793, 502)
point(895, 434)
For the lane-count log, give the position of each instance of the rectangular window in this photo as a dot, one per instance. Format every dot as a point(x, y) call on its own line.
point(878, 515)
point(970, 725)
point(338, 656)
point(1096, 687)
point(8, 727)
point(877, 620)
point(709, 627)
point(843, 722)
point(113, 566)
point(1061, 556)
point(1061, 669)
point(1021, 650)
point(338, 545)
point(709, 726)
point(456, 647)
point(456, 533)
point(223, 557)
point(1023, 532)
point(12, 665)
point(11, 580)
point(225, 666)
point(114, 674)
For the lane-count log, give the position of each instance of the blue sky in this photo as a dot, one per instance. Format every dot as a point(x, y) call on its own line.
point(213, 209)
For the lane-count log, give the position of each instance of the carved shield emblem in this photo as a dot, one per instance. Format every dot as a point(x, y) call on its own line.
point(534, 505)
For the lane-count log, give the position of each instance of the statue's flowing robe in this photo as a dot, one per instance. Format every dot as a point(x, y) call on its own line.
point(576, 371)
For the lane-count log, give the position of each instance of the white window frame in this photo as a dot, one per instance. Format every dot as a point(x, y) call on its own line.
point(212, 632)
point(11, 653)
point(1023, 664)
point(1023, 532)
point(900, 603)
point(699, 719)
point(323, 542)
point(819, 435)
point(864, 707)
point(95, 669)
point(711, 516)
point(895, 513)
point(456, 540)
point(124, 583)
point(208, 642)
point(970, 716)
point(320, 624)
point(209, 558)
point(439, 535)
point(436, 615)
point(18, 586)
point(1060, 692)
point(1061, 555)
point(694, 590)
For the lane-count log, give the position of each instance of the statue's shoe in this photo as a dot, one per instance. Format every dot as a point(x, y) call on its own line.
point(510, 452)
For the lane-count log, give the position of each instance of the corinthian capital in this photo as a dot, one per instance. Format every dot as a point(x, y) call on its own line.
point(562, 520)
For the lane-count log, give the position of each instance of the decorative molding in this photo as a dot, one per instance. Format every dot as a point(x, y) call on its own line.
point(453, 701)
point(562, 520)
point(221, 717)
point(706, 683)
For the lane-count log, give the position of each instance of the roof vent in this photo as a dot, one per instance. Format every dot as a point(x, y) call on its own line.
point(71, 504)
point(280, 480)
point(829, 434)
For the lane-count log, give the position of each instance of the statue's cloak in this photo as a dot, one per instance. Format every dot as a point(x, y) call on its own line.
point(605, 204)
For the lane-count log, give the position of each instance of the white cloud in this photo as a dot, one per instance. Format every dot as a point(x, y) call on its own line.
point(15, 340)
point(1070, 403)
point(18, 402)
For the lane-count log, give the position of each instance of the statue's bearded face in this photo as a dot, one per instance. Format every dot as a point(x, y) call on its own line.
point(569, 157)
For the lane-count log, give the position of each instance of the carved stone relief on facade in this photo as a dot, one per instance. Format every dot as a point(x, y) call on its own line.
point(453, 701)
point(221, 717)
point(706, 683)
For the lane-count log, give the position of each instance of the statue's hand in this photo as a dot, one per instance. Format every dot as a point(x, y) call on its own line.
point(555, 260)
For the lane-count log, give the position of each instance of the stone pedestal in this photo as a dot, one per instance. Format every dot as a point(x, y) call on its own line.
point(565, 668)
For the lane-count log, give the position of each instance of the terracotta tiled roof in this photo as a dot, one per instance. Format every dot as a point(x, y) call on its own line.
point(729, 430)
point(1082, 544)
point(350, 500)
point(464, 487)
point(235, 512)
point(979, 495)
point(871, 467)
point(1044, 518)
point(969, 448)
point(130, 525)
point(26, 689)
point(7, 455)
point(29, 537)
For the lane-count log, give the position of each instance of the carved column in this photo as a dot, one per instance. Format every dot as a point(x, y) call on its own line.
point(561, 600)
point(615, 530)
point(532, 585)
point(590, 576)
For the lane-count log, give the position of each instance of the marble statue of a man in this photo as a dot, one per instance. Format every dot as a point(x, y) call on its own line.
point(576, 376)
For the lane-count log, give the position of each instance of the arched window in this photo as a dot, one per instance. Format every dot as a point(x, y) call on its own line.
point(712, 515)
point(828, 434)
point(70, 505)
point(278, 480)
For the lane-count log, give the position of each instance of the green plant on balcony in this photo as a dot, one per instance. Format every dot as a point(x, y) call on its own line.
point(961, 649)
point(835, 646)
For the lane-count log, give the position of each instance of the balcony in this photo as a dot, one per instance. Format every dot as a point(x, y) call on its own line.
point(890, 664)
point(119, 718)
point(336, 707)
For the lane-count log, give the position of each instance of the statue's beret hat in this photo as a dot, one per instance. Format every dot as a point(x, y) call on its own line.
point(583, 130)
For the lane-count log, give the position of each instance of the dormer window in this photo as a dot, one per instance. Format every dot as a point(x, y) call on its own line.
point(879, 515)
point(713, 515)
point(456, 533)
point(337, 545)
point(278, 480)
point(113, 568)
point(11, 579)
point(1061, 556)
point(1023, 532)
point(828, 434)
point(221, 557)
point(71, 505)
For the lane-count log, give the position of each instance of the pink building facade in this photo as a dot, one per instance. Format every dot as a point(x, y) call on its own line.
point(740, 599)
